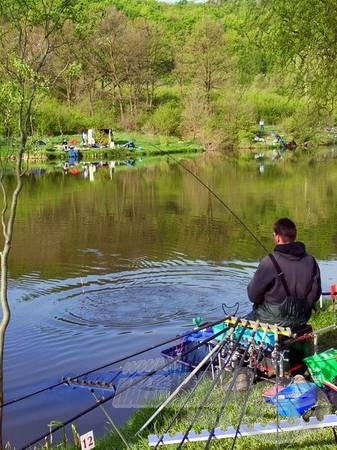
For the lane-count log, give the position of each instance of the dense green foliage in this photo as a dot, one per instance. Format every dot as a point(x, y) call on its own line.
point(207, 71)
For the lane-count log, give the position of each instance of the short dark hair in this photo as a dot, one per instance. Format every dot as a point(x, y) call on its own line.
point(286, 229)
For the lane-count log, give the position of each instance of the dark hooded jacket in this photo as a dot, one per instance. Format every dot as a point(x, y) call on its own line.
point(267, 292)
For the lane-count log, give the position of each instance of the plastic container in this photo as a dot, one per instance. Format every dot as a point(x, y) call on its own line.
point(295, 399)
point(323, 366)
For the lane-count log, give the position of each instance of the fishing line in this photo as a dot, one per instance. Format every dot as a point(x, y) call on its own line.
point(202, 404)
point(217, 196)
point(277, 384)
point(116, 361)
point(231, 385)
point(124, 389)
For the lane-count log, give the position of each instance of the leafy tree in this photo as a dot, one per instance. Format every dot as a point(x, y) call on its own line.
point(131, 56)
point(204, 60)
point(300, 37)
point(67, 65)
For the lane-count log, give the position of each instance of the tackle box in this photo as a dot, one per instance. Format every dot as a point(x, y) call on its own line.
point(323, 366)
point(295, 399)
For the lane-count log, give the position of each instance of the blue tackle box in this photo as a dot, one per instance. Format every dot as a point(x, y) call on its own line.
point(295, 399)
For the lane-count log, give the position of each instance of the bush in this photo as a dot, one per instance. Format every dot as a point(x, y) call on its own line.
point(53, 118)
point(166, 119)
point(270, 106)
point(303, 126)
point(104, 116)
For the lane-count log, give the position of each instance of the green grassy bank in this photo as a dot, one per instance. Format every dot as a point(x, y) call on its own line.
point(145, 145)
point(154, 145)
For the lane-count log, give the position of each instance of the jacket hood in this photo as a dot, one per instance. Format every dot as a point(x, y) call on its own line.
point(296, 249)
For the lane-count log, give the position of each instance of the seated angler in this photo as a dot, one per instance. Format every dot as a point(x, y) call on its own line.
point(287, 282)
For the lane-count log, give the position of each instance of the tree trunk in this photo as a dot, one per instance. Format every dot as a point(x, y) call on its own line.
point(3, 326)
point(8, 235)
point(120, 101)
point(91, 100)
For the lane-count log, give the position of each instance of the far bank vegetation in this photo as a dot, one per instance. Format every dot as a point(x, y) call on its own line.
point(203, 72)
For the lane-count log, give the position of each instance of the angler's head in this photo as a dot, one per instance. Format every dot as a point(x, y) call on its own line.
point(284, 231)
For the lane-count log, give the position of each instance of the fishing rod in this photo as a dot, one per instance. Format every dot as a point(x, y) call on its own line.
point(209, 355)
point(276, 356)
point(216, 195)
point(251, 381)
point(231, 385)
point(190, 394)
point(181, 385)
point(124, 389)
point(116, 361)
point(200, 407)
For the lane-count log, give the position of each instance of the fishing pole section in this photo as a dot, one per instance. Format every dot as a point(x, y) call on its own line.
point(76, 378)
point(215, 195)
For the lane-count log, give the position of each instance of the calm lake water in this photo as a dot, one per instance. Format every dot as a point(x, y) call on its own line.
point(105, 268)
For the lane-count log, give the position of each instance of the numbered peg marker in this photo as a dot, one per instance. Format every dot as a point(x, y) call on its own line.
point(87, 441)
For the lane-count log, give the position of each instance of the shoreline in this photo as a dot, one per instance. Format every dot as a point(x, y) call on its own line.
point(145, 145)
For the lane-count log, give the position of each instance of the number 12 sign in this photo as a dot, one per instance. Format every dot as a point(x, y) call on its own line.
point(87, 441)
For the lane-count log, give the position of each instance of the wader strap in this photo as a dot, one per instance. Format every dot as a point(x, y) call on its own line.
point(280, 274)
point(313, 274)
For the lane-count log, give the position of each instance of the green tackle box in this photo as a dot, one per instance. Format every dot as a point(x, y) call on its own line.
point(323, 366)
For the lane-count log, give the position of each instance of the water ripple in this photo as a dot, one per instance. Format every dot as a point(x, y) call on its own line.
point(155, 293)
